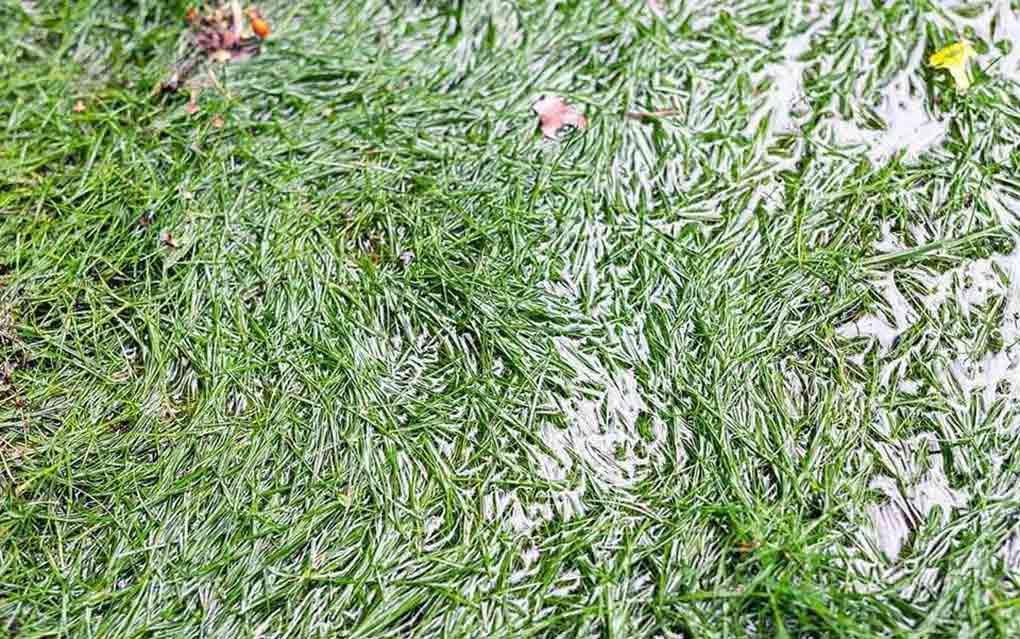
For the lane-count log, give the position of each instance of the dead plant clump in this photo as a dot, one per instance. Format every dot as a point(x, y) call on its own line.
point(219, 34)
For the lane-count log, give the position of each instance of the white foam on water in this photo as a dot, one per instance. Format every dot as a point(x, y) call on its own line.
point(967, 287)
point(934, 492)
point(632, 340)
point(432, 524)
point(530, 555)
point(994, 376)
point(598, 437)
point(403, 363)
point(787, 90)
point(888, 243)
point(580, 280)
point(870, 326)
point(566, 584)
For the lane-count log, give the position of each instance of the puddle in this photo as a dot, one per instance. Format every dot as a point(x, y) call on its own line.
point(913, 482)
point(918, 488)
point(785, 98)
point(601, 432)
point(601, 409)
point(907, 127)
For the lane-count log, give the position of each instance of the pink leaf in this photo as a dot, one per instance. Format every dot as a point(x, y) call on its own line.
point(554, 114)
point(656, 7)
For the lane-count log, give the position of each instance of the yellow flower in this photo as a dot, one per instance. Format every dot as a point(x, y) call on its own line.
point(954, 59)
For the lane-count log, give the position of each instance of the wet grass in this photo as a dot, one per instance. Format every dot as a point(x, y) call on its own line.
point(403, 368)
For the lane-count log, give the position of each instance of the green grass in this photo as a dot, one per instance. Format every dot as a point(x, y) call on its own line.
point(413, 371)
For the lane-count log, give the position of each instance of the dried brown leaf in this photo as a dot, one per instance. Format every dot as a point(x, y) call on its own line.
point(219, 34)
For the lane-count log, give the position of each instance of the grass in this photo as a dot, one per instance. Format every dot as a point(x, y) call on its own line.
point(413, 371)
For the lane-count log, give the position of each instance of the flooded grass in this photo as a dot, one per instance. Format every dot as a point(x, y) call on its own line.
point(355, 351)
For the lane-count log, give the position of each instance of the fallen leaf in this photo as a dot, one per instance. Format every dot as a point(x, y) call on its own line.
point(229, 40)
point(79, 106)
point(261, 28)
point(554, 114)
point(656, 7)
point(209, 40)
point(167, 239)
point(217, 122)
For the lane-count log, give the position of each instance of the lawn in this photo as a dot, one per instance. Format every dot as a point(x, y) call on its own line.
point(351, 349)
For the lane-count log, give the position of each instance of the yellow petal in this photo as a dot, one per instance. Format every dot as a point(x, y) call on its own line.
point(956, 54)
point(962, 78)
point(954, 59)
